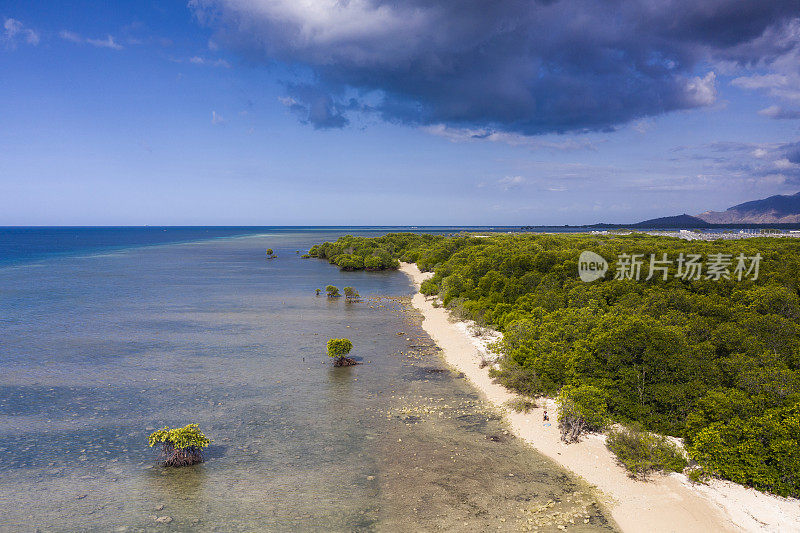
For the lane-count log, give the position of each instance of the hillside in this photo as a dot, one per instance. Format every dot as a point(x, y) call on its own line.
point(778, 209)
point(678, 221)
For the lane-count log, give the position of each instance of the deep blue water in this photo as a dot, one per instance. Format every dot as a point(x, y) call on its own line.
point(25, 244)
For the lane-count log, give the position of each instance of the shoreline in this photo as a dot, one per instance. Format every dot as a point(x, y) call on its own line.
point(664, 503)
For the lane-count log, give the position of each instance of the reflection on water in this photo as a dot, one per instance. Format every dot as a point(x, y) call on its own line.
point(97, 352)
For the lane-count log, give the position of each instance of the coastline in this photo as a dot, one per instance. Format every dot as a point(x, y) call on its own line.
point(665, 503)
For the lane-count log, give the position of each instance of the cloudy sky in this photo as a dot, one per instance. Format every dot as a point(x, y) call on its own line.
point(361, 112)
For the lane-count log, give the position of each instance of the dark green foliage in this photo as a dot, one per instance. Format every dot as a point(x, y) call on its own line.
point(361, 253)
point(428, 288)
point(517, 377)
point(762, 451)
point(714, 362)
point(642, 452)
point(350, 262)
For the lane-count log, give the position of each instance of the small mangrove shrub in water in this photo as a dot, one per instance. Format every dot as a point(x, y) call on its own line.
point(180, 446)
point(332, 291)
point(642, 452)
point(338, 350)
point(351, 294)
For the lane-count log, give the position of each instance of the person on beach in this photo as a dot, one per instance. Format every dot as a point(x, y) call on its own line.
point(545, 417)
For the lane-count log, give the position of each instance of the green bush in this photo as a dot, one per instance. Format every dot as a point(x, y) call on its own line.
point(339, 348)
point(189, 435)
point(760, 451)
point(642, 452)
point(332, 291)
point(581, 410)
point(696, 475)
point(180, 446)
point(429, 288)
point(351, 294)
point(521, 405)
point(349, 262)
point(516, 377)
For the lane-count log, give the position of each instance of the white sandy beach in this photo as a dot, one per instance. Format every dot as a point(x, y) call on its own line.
point(663, 504)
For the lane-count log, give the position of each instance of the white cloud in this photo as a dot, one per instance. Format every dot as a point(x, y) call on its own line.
point(108, 42)
point(702, 91)
point(70, 36)
point(511, 182)
point(779, 74)
point(14, 31)
point(642, 126)
point(725, 165)
point(778, 112)
point(216, 119)
point(332, 22)
point(197, 60)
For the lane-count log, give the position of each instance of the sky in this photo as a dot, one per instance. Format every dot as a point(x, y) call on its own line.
point(379, 112)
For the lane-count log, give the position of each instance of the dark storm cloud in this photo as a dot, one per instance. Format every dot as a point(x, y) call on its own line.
point(792, 151)
point(510, 65)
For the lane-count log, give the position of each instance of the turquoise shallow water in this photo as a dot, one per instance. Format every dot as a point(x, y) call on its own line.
point(97, 350)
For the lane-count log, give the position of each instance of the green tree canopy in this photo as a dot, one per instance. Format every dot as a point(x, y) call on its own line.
point(338, 348)
point(332, 291)
point(714, 361)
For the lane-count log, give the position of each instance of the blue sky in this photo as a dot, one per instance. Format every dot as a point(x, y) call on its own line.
point(269, 112)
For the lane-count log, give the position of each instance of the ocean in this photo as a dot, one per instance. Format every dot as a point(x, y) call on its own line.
point(107, 334)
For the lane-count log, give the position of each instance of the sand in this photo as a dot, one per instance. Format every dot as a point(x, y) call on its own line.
point(665, 503)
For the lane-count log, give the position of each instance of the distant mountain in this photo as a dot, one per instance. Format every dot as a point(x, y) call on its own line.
point(778, 209)
point(679, 221)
